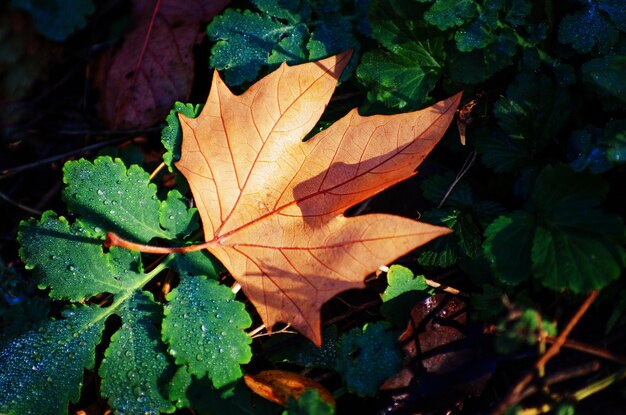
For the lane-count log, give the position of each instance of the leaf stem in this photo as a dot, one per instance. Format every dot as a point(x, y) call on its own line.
point(114, 239)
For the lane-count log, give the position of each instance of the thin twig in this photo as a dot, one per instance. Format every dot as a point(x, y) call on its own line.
point(235, 288)
point(256, 331)
point(19, 205)
point(515, 395)
point(157, 170)
point(469, 161)
point(434, 284)
point(590, 349)
point(11, 172)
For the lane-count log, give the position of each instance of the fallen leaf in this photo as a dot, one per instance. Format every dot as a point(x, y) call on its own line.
point(278, 385)
point(272, 205)
point(140, 80)
point(443, 359)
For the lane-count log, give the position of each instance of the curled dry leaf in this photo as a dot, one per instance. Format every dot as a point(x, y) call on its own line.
point(272, 205)
point(278, 385)
point(153, 67)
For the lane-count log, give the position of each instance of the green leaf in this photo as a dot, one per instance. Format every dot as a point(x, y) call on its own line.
point(616, 12)
point(309, 403)
point(587, 28)
point(110, 197)
point(175, 217)
point(480, 64)
point(403, 291)
point(42, 370)
point(70, 261)
point(448, 249)
point(533, 110)
point(57, 19)
point(176, 389)
point(446, 14)
point(508, 246)
point(135, 364)
point(204, 328)
point(171, 134)
point(401, 280)
point(197, 263)
point(607, 74)
point(367, 357)
point(522, 331)
point(247, 42)
point(324, 357)
point(404, 75)
point(501, 152)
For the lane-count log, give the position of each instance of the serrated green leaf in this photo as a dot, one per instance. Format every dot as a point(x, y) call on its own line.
point(499, 151)
point(42, 370)
point(475, 36)
point(480, 64)
point(325, 356)
point(176, 389)
point(110, 197)
point(448, 249)
point(69, 260)
point(508, 246)
point(204, 328)
point(309, 403)
point(171, 134)
point(290, 10)
point(587, 28)
point(403, 76)
point(607, 74)
point(331, 37)
point(367, 357)
point(450, 13)
point(244, 41)
point(57, 19)
point(559, 190)
point(581, 263)
point(533, 110)
point(135, 364)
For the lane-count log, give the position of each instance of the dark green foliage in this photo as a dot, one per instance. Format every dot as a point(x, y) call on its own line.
point(562, 238)
point(367, 357)
point(143, 353)
point(172, 135)
point(549, 87)
point(57, 19)
point(309, 403)
point(292, 31)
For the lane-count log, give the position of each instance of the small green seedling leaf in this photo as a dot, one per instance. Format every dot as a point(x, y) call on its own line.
point(403, 291)
point(135, 364)
point(204, 328)
point(42, 370)
point(367, 357)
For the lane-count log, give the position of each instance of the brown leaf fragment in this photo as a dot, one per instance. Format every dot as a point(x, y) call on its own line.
point(278, 385)
point(141, 79)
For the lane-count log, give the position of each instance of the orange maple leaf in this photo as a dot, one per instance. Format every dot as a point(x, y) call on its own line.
point(272, 205)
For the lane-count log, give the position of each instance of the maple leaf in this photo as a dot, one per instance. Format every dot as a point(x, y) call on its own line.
point(272, 205)
point(140, 80)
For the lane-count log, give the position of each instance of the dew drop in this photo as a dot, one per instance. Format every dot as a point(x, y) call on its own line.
point(171, 217)
point(100, 192)
point(199, 357)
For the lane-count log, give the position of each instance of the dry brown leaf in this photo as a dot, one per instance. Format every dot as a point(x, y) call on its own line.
point(279, 385)
point(272, 205)
point(141, 79)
